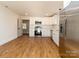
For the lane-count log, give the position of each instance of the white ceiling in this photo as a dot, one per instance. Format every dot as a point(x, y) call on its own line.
point(33, 8)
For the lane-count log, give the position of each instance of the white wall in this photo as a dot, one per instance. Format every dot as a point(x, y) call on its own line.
point(73, 28)
point(72, 25)
point(8, 25)
point(19, 28)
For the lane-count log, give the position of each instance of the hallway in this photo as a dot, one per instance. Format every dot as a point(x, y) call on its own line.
point(29, 47)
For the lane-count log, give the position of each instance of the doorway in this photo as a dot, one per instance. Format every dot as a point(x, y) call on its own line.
point(25, 27)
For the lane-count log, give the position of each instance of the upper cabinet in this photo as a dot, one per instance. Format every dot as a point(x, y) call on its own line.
point(55, 20)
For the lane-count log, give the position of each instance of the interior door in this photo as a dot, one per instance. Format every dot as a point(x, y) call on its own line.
point(25, 27)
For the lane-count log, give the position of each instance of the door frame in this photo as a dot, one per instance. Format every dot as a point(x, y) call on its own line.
point(28, 24)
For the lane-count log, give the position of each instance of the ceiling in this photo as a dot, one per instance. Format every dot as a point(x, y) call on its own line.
point(72, 8)
point(34, 8)
point(73, 4)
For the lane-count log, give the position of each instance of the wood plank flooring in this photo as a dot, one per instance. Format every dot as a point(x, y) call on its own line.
point(29, 47)
point(68, 48)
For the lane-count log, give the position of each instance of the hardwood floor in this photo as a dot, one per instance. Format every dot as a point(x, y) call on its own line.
point(68, 48)
point(29, 47)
